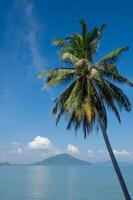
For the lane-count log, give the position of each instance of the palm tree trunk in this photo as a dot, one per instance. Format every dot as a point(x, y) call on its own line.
point(116, 166)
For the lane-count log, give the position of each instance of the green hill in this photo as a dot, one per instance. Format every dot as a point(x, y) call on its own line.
point(62, 159)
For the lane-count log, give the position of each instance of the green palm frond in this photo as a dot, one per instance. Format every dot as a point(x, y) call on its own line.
point(69, 58)
point(92, 86)
point(85, 32)
point(95, 38)
point(59, 42)
point(45, 74)
point(113, 56)
point(57, 76)
point(110, 71)
point(106, 93)
point(121, 79)
point(120, 98)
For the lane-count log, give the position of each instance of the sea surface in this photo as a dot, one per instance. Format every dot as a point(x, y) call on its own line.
point(62, 183)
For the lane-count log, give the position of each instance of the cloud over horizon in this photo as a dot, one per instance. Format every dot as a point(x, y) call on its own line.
point(19, 150)
point(102, 155)
point(72, 149)
point(40, 143)
point(41, 147)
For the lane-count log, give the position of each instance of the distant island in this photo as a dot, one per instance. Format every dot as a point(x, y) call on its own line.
point(5, 164)
point(65, 160)
point(62, 159)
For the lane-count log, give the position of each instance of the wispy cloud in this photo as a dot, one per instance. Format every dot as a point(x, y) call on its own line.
point(32, 35)
point(122, 152)
point(91, 153)
point(104, 155)
point(19, 150)
point(25, 33)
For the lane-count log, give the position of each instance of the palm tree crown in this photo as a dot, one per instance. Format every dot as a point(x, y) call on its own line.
point(92, 89)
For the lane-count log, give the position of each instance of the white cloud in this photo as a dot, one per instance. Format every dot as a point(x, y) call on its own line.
point(103, 155)
point(39, 143)
point(118, 153)
point(72, 149)
point(91, 153)
point(19, 151)
point(121, 152)
point(101, 151)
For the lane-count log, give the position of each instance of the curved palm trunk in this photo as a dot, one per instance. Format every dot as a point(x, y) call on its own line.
point(116, 166)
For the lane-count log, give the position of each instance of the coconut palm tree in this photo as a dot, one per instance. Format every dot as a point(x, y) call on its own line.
point(92, 88)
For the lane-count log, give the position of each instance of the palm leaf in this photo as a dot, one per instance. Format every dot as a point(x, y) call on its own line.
point(113, 56)
point(59, 42)
point(57, 75)
point(69, 58)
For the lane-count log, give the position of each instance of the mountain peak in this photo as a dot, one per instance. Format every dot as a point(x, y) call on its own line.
point(62, 159)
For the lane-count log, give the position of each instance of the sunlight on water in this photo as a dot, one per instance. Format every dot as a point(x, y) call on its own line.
point(57, 183)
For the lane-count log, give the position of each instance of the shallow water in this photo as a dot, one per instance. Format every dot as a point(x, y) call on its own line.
point(62, 183)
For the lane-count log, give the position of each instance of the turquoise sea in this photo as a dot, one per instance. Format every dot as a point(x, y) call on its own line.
point(62, 183)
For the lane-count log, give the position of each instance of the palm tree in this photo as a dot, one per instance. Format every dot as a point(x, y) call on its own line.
point(92, 86)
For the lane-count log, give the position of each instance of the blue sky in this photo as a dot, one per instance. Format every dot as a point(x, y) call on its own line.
point(27, 128)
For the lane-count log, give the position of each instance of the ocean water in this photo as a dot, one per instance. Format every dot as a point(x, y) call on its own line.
point(62, 183)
